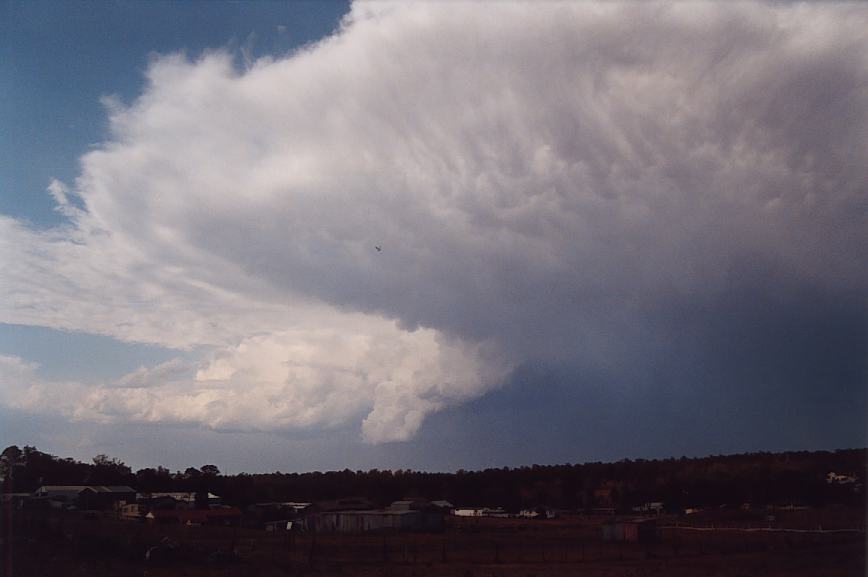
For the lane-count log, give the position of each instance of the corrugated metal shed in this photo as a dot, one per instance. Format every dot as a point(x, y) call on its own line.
point(629, 530)
point(373, 520)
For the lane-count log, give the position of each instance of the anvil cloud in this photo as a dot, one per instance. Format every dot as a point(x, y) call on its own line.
point(548, 183)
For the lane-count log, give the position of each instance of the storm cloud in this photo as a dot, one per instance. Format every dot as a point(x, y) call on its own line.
point(591, 184)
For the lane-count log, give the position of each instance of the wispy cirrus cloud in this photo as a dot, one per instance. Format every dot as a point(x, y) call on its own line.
point(543, 183)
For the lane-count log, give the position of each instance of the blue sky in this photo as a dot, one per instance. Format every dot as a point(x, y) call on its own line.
point(61, 58)
point(591, 249)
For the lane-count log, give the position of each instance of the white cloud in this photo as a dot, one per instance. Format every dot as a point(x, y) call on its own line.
point(58, 191)
point(145, 377)
point(540, 178)
point(310, 377)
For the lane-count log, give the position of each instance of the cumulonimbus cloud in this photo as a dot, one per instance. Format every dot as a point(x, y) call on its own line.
point(539, 178)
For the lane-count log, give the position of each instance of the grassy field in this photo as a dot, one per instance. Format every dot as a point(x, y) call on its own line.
point(725, 544)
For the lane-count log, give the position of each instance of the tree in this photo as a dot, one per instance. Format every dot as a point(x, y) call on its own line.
point(10, 455)
point(109, 470)
point(150, 479)
point(192, 473)
point(209, 470)
point(10, 458)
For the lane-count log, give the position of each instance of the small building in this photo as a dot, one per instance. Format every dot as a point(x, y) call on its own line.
point(479, 512)
point(537, 513)
point(296, 506)
point(261, 515)
point(418, 505)
point(106, 496)
point(188, 499)
point(133, 511)
point(403, 515)
point(86, 496)
point(834, 478)
point(467, 511)
point(655, 508)
point(64, 493)
point(162, 502)
point(373, 520)
point(629, 530)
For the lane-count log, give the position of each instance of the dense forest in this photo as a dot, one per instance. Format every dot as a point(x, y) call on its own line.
point(756, 478)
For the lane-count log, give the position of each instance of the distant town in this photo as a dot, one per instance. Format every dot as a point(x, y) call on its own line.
point(592, 513)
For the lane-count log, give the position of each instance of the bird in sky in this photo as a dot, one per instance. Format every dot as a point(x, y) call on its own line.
point(379, 248)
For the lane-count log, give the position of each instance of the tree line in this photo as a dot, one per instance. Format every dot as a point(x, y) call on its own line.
point(757, 478)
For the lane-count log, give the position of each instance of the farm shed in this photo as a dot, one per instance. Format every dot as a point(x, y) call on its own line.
point(86, 496)
point(629, 530)
point(373, 520)
point(479, 512)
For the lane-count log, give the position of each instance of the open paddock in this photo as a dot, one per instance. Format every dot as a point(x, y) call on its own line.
point(54, 543)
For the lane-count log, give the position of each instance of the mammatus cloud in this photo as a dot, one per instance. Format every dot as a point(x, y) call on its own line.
point(544, 181)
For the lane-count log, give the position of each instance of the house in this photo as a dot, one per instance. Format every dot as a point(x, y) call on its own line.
point(160, 502)
point(63, 493)
point(640, 530)
point(106, 497)
point(133, 511)
point(86, 496)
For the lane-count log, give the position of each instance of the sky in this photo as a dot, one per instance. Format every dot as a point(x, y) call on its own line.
point(297, 236)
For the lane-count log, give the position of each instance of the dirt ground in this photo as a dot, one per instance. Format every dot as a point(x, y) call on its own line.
point(719, 544)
